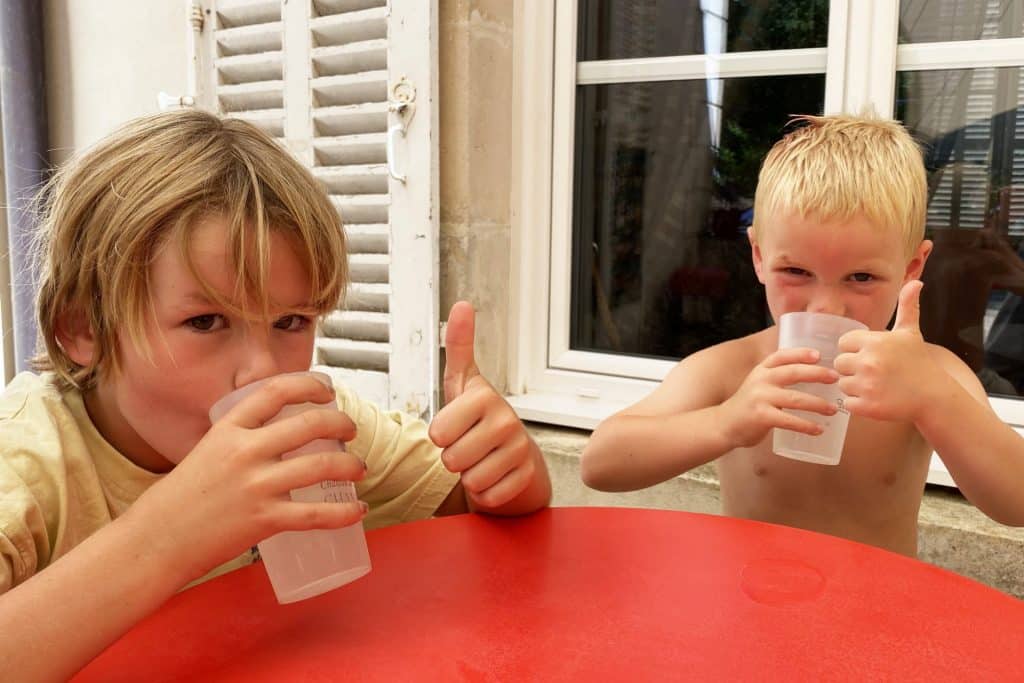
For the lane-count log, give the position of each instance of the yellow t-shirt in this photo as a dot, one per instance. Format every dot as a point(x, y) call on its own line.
point(60, 480)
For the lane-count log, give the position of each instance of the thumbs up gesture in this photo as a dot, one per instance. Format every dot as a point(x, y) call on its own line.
point(482, 439)
point(908, 310)
point(883, 372)
point(460, 359)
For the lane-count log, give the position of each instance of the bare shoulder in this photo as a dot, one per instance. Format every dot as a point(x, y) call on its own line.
point(958, 370)
point(707, 377)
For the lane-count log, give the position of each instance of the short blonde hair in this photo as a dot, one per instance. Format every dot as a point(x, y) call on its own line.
point(835, 167)
point(107, 212)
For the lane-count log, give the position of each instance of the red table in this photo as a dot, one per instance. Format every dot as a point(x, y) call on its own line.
point(600, 594)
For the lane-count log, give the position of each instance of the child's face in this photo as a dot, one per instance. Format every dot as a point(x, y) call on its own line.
point(155, 411)
point(848, 268)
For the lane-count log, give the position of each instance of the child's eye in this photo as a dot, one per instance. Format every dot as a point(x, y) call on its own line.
point(862, 277)
point(209, 322)
point(292, 323)
point(795, 271)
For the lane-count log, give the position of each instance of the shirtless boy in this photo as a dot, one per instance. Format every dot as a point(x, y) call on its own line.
point(839, 218)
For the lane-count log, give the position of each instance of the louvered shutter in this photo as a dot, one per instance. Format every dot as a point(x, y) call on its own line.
point(319, 76)
point(959, 199)
point(970, 98)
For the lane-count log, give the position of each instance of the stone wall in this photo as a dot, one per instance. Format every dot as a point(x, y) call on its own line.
point(476, 156)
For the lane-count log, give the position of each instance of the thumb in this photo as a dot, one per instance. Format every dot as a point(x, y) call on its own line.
point(460, 362)
point(908, 311)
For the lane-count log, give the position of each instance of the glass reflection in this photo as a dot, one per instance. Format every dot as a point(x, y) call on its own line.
point(664, 183)
point(972, 125)
point(629, 29)
point(928, 21)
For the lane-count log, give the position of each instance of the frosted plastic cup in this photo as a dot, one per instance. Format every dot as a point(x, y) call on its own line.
point(302, 564)
point(822, 332)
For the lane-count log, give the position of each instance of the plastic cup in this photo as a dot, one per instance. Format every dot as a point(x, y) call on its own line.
point(819, 331)
point(302, 564)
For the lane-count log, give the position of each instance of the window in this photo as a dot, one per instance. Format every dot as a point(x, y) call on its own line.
point(644, 125)
point(963, 100)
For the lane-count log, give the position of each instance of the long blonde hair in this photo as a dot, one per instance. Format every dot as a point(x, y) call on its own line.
point(835, 167)
point(105, 214)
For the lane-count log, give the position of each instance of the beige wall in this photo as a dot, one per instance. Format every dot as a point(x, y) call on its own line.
point(476, 158)
point(106, 60)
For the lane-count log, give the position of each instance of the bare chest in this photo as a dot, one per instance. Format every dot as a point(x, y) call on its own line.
point(874, 490)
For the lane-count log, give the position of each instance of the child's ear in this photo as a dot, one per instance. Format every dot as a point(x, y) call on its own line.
point(75, 336)
point(755, 255)
point(916, 265)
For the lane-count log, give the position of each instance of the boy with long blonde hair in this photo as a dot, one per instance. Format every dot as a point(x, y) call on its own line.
point(838, 228)
point(183, 257)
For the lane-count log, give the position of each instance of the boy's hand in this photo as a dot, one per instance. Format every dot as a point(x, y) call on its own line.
point(481, 436)
point(759, 404)
point(232, 490)
point(886, 374)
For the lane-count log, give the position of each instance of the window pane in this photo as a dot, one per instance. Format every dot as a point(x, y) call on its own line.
point(664, 183)
point(973, 126)
point(625, 29)
point(931, 21)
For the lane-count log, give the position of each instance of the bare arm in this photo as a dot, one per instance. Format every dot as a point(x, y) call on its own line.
point(897, 376)
point(985, 456)
point(62, 617)
point(671, 431)
point(691, 419)
point(229, 493)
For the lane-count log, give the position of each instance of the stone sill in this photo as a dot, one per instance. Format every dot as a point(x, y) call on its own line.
point(953, 534)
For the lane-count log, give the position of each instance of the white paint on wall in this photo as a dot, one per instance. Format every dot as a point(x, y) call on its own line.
point(106, 60)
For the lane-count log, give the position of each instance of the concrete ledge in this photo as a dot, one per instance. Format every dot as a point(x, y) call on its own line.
point(953, 533)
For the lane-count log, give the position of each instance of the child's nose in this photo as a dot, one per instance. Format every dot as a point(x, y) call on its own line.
point(256, 362)
point(827, 301)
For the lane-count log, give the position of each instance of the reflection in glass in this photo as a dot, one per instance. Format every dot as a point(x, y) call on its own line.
point(930, 21)
point(972, 124)
point(627, 29)
point(663, 196)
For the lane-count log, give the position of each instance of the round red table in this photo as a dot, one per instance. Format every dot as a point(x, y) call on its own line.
point(600, 594)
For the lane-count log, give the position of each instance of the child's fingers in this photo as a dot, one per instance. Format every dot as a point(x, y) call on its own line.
point(490, 469)
point(268, 400)
point(791, 356)
point(313, 468)
point(494, 430)
point(507, 488)
point(854, 341)
point(459, 416)
point(298, 430)
point(460, 362)
point(293, 516)
point(792, 399)
point(796, 423)
point(800, 373)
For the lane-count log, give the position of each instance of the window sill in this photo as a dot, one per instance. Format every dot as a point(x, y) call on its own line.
point(563, 410)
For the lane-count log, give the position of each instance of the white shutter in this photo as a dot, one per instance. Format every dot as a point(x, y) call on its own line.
point(244, 49)
point(319, 74)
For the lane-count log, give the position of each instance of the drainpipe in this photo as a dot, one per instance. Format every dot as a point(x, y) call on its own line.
point(26, 156)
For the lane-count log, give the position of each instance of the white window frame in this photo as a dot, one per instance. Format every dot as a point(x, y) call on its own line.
point(550, 382)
